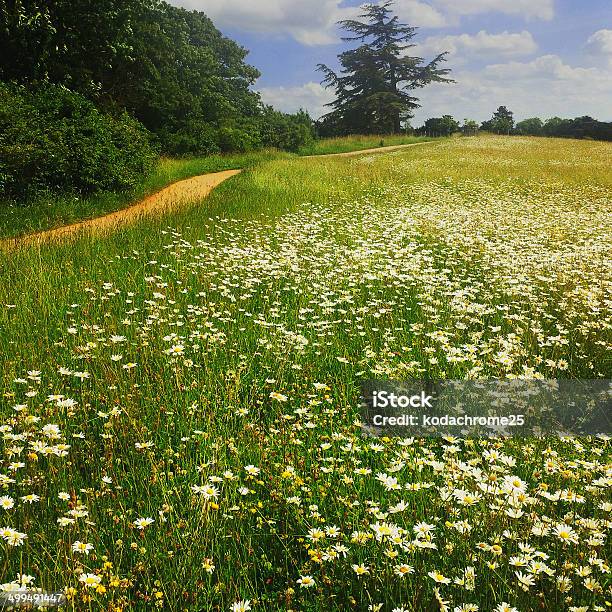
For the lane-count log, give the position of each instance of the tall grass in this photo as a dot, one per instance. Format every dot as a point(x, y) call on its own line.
point(203, 370)
point(51, 210)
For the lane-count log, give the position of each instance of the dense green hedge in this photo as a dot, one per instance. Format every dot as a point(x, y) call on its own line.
point(286, 132)
point(268, 129)
point(53, 138)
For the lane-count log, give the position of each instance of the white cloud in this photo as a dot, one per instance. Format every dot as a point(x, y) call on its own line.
point(543, 87)
point(310, 22)
point(463, 46)
point(528, 9)
point(416, 13)
point(313, 22)
point(599, 45)
point(544, 69)
point(311, 96)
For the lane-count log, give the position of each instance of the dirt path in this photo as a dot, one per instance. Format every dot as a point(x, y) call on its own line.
point(362, 151)
point(169, 198)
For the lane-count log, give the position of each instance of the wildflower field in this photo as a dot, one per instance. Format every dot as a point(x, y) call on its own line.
point(180, 400)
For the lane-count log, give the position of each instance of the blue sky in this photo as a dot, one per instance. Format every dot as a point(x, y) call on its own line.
point(538, 57)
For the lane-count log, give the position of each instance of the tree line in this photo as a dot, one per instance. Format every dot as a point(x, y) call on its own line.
point(110, 84)
point(502, 122)
point(376, 84)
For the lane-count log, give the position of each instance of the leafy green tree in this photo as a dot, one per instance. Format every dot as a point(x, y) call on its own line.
point(530, 127)
point(75, 44)
point(555, 126)
point(441, 126)
point(587, 127)
point(169, 67)
point(502, 121)
point(374, 90)
point(185, 75)
point(469, 127)
point(580, 127)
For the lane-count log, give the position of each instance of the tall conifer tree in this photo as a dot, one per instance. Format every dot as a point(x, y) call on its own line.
point(374, 90)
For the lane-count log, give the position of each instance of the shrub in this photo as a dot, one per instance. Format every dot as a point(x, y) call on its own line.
point(237, 139)
point(53, 138)
point(198, 137)
point(193, 137)
point(284, 131)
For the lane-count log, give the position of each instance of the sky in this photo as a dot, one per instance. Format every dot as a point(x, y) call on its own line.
point(537, 57)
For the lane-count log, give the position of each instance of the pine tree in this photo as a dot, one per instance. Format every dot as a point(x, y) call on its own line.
point(502, 121)
point(374, 88)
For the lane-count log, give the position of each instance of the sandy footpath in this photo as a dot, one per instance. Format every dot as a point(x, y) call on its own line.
point(164, 201)
point(362, 151)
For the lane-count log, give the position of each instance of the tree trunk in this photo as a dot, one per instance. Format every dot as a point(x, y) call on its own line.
point(397, 124)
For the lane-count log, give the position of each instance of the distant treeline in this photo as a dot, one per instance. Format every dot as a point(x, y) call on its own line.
point(92, 91)
point(580, 127)
point(502, 122)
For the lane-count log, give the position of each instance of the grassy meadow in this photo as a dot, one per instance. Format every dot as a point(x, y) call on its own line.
point(180, 399)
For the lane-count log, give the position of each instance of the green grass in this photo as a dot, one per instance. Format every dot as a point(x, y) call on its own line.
point(236, 331)
point(54, 210)
point(346, 144)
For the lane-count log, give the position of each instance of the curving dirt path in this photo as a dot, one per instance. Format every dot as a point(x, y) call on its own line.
point(376, 150)
point(169, 198)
